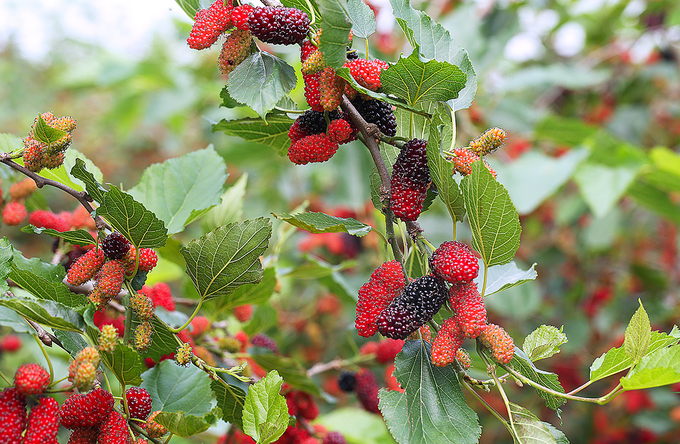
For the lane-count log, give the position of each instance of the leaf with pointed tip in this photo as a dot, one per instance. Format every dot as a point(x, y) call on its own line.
point(125, 363)
point(46, 134)
point(92, 185)
point(48, 313)
point(638, 335)
point(362, 17)
point(227, 257)
point(255, 293)
point(184, 425)
point(661, 367)
point(265, 412)
point(272, 133)
point(502, 277)
point(523, 364)
point(174, 388)
point(10, 318)
point(529, 428)
point(544, 342)
point(76, 237)
point(73, 342)
point(230, 399)
point(325, 223)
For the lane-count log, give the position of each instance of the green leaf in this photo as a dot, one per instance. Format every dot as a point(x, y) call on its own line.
point(661, 367)
point(265, 413)
point(303, 5)
point(316, 268)
point(73, 342)
point(231, 207)
point(227, 257)
point(260, 81)
point(651, 197)
point(529, 428)
point(185, 425)
point(129, 217)
point(10, 142)
point(335, 36)
point(125, 363)
point(48, 313)
point(544, 342)
point(290, 369)
point(62, 176)
point(435, 43)
point(616, 359)
point(432, 408)
point(177, 187)
point(565, 131)
point(602, 186)
point(493, 218)
point(230, 399)
point(77, 237)
point(502, 277)
point(523, 364)
point(325, 223)
point(638, 335)
point(189, 6)
point(10, 318)
point(46, 134)
point(272, 133)
point(362, 17)
point(416, 81)
point(92, 185)
point(255, 293)
point(264, 317)
point(174, 388)
point(24, 276)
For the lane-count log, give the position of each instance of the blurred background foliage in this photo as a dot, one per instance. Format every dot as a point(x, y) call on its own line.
point(589, 92)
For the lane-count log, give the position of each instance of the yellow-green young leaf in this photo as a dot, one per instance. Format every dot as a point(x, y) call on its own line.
point(416, 81)
point(47, 313)
point(77, 237)
point(662, 367)
point(62, 176)
point(184, 425)
point(502, 277)
point(432, 409)
point(290, 369)
point(493, 218)
point(230, 399)
point(638, 335)
point(272, 133)
point(362, 18)
point(544, 342)
point(45, 133)
point(174, 388)
point(227, 257)
point(325, 223)
point(265, 412)
point(92, 185)
point(523, 364)
point(335, 36)
point(529, 428)
point(125, 363)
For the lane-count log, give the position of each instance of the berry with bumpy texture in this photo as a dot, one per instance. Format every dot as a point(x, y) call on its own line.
point(314, 122)
point(334, 438)
point(12, 414)
point(31, 379)
point(488, 142)
point(387, 350)
point(278, 25)
point(243, 312)
point(410, 179)
point(407, 199)
point(366, 388)
point(184, 354)
point(111, 277)
point(209, 24)
point(84, 376)
point(499, 342)
point(463, 358)
point(468, 304)
point(43, 422)
point(378, 112)
point(10, 343)
point(340, 131)
point(64, 123)
point(312, 95)
point(84, 436)
point(347, 381)
point(153, 429)
point(115, 246)
point(446, 344)
point(114, 429)
point(86, 410)
point(295, 133)
point(14, 213)
point(33, 154)
point(86, 267)
point(454, 262)
point(302, 405)
point(47, 219)
point(314, 62)
point(235, 49)
point(383, 286)
point(264, 341)
point(199, 325)
point(22, 189)
point(142, 306)
point(366, 72)
point(108, 338)
point(160, 295)
point(312, 149)
point(330, 89)
point(411, 163)
point(143, 335)
point(139, 402)
point(416, 305)
point(81, 218)
point(147, 259)
point(462, 161)
point(306, 49)
point(239, 16)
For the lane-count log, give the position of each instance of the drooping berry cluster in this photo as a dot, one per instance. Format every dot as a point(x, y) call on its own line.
point(209, 24)
point(236, 48)
point(499, 342)
point(314, 140)
point(463, 158)
point(410, 180)
point(385, 284)
point(39, 154)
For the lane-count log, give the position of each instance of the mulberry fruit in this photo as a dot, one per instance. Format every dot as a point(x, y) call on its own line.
point(147, 259)
point(278, 25)
point(239, 16)
point(366, 388)
point(454, 262)
point(488, 142)
point(467, 303)
point(264, 341)
point(235, 49)
point(446, 344)
point(47, 219)
point(209, 24)
point(313, 63)
point(330, 89)
point(22, 189)
point(312, 94)
point(12, 414)
point(115, 246)
point(377, 112)
point(310, 149)
point(499, 342)
point(88, 410)
point(462, 161)
point(31, 379)
point(387, 350)
point(84, 436)
point(367, 72)
point(139, 402)
point(43, 422)
point(111, 277)
point(142, 306)
point(374, 296)
point(114, 429)
point(153, 429)
point(347, 381)
point(410, 179)
point(14, 213)
point(143, 336)
point(341, 131)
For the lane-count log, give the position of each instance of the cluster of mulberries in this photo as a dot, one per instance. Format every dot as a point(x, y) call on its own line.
point(315, 140)
point(83, 369)
point(14, 211)
point(384, 285)
point(38, 154)
point(410, 180)
point(487, 143)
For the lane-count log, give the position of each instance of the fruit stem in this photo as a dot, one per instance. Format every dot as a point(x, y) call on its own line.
point(485, 404)
point(191, 318)
point(311, 10)
point(47, 358)
point(128, 314)
point(491, 369)
point(2, 375)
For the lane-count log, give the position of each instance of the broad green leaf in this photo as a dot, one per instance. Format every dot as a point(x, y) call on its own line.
point(174, 388)
point(416, 81)
point(272, 133)
point(189, 6)
point(529, 428)
point(10, 318)
point(502, 277)
point(92, 185)
point(493, 218)
point(230, 399)
point(665, 159)
point(129, 217)
point(325, 223)
point(661, 367)
point(558, 435)
point(303, 5)
point(177, 187)
point(543, 342)
point(357, 425)
point(50, 272)
point(565, 131)
point(73, 342)
point(10, 142)
point(46, 134)
point(230, 208)
point(432, 408)
point(521, 176)
point(602, 186)
point(260, 81)
point(45, 312)
point(62, 175)
point(125, 363)
point(362, 18)
point(227, 257)
point(435, 43)
point(290, 369)
point(265, 317)
point(6, 255)
point(653, 198)
point(42, 288)
point(77, 237)
point(265, 413)
point(638, 335)
point(335, 36)
point(255, 293)
point(616, 359)
point(523, 364)
point(185, 425)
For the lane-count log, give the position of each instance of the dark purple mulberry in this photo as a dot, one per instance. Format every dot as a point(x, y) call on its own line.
point(277, 25)
point(115, 246)
point(377, 112)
